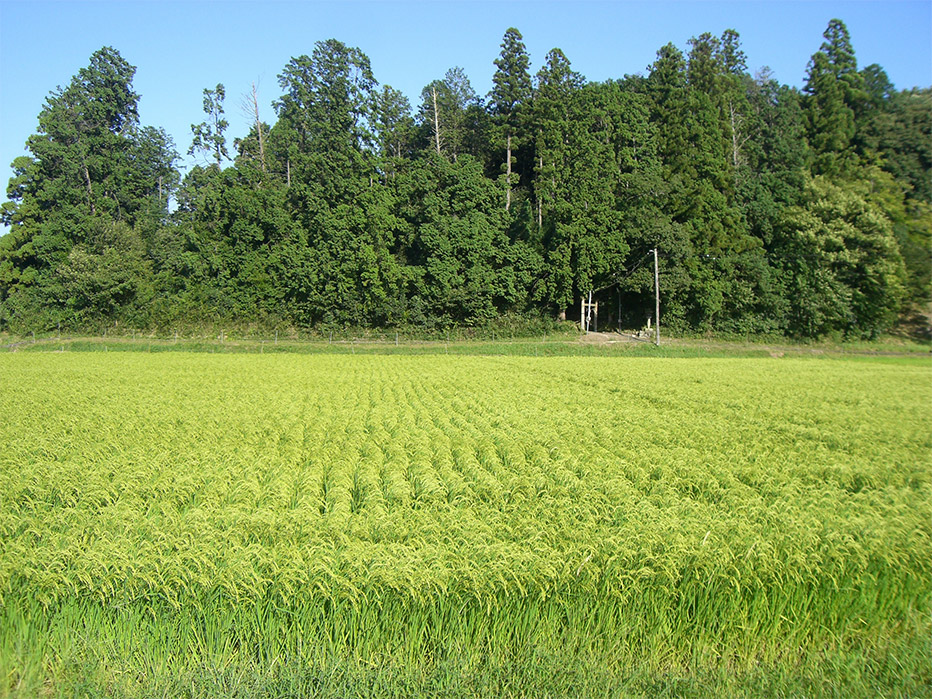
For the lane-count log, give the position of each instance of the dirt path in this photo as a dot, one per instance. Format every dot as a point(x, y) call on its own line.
point(595, 338)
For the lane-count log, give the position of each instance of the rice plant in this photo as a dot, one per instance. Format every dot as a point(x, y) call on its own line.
point(244, 519)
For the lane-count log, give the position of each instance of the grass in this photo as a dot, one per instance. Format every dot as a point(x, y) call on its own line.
point(517, 338)
point(560, 345)
point(188, 524)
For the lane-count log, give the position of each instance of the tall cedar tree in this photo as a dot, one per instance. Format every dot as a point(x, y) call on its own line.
point(511, 93)
point(834, 93)
point(93, 183)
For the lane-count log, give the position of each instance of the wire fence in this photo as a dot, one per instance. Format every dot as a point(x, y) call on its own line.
point(566, 340)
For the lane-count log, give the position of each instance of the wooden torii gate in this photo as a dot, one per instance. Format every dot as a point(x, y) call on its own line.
point(589, 311)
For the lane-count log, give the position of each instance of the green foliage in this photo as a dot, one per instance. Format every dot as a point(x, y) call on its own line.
point(94, 180)
point(452, 99)
point(511, 83)
point(842, 261)
point(108, 277)
point(394, 127)
point(587, 151)
point(462, 266)
point(208, 135)
point(341, 213)
point(509, 102)
point(835, 93)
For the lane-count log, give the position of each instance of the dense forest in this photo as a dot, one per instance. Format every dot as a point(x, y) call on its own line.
point(775, 210)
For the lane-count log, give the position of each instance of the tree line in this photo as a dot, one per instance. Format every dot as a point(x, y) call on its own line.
point(775, 210)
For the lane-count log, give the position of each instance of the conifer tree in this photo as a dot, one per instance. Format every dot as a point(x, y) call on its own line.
point(510, 95)
point(834, 91)
point(444, 113)
point(94, 178)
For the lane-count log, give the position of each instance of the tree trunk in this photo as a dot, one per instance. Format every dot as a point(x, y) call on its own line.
point(433, 92)
point(508, 177)
point(540, 207)
point(734, 136)
point(255, 108)
point(90, 192)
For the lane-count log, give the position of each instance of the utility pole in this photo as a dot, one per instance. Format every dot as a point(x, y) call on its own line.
point(656, 297)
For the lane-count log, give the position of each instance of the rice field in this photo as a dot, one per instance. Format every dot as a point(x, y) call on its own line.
point(277, 525)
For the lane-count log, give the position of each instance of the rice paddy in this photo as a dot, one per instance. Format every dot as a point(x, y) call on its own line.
point(270, 525)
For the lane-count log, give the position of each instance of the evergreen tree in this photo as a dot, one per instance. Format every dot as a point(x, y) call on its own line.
point(834, 91)
point(695, 150)
point(557, 88)
point(92, 175)
point(341, 268)
point(324, 130)
point(444, 113)
point(601, 146)
point(511, 93)
point(394, 127)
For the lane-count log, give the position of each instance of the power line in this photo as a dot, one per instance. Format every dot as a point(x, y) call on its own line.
point(629, 272)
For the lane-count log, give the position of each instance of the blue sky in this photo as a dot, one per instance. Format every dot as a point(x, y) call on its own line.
point(180, 48)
